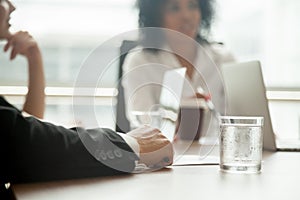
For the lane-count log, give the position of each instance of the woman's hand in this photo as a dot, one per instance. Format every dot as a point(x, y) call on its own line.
point(21, 43)
point(202, 95)
point(156, 151)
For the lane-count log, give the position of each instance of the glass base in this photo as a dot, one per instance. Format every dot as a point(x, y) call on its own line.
point(241, 168)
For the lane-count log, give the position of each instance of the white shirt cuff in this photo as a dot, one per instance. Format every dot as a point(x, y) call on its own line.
point(132, 142)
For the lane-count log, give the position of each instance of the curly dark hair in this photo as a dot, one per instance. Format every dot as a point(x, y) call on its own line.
point(151, 12)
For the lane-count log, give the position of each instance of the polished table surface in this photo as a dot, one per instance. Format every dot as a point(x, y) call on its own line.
point(279, 179)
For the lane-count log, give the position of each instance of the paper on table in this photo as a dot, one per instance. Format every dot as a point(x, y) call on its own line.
point(184, 160)
point(195, 160)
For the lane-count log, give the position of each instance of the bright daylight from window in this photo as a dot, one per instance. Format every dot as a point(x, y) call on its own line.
point(68, 30)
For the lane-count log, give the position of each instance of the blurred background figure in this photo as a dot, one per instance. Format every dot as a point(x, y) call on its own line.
point(193, 19)
point(252, 30)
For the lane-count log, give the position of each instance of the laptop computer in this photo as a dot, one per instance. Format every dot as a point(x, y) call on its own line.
point(246, 95)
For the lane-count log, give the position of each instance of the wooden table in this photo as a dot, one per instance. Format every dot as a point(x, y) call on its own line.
point(279, 179)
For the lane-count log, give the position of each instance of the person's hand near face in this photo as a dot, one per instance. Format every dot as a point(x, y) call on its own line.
point(22, 43)
point(156, 151)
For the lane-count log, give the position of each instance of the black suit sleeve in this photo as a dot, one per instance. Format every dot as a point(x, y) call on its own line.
point(32, 150)
point(4, 103)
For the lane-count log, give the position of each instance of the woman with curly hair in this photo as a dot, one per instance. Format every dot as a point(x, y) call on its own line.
point(174, 34)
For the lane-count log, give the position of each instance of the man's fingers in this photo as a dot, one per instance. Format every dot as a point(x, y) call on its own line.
point(158, 157)
point(166, 161)
point(144, 132)
point(155, 149)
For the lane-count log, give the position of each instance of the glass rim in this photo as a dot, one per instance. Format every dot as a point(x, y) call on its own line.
point(240, 117)
point(241, 120)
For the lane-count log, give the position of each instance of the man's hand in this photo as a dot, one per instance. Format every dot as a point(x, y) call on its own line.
point(156, 151)
point(21, 43)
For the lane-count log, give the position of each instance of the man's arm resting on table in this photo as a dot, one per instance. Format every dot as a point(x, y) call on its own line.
point(40, 151)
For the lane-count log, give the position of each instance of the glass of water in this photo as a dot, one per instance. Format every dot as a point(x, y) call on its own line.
point(241, 142)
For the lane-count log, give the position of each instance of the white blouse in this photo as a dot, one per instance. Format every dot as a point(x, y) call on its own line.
point(143, 72)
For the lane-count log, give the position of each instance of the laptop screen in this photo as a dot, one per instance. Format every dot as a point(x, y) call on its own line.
point(246, 94)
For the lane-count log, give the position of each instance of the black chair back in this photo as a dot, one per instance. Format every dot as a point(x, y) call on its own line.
point(122, 123)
